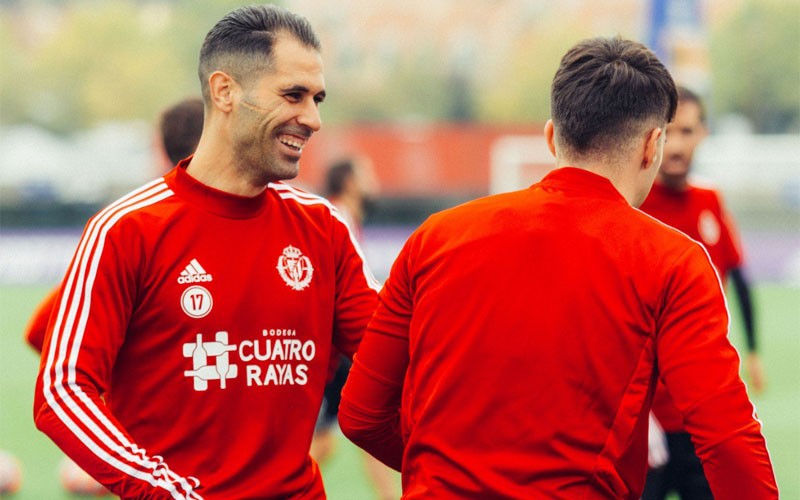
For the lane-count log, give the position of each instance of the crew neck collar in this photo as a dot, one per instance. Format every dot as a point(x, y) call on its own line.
point(569, 178)
point(211, 199)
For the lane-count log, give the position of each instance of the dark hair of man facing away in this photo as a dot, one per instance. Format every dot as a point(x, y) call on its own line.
point(240, 44)
point(180, 127)
point(606, 92)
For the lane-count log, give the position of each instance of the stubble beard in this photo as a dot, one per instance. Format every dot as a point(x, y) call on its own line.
point(672, 178)
point(261, 163)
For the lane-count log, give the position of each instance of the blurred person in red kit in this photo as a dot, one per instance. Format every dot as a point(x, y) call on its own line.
point(352, 187)
point(187, 352)
point(697, 210)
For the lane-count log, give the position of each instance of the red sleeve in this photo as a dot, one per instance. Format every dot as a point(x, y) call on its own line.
point(700, 369)
point(37, 325)
point(356, 291)
point(730, 248)
point(369, 413)
point(88, 327)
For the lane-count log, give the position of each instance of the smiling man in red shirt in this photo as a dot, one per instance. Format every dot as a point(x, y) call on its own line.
point(517, 341)
point(187, 352)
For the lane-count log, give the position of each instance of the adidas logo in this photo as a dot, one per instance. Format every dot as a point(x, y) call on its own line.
point(193, 273)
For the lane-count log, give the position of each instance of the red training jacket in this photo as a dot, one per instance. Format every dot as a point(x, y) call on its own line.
point(517, 342)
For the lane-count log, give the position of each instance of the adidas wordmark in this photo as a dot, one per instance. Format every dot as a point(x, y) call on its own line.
point(194, 273)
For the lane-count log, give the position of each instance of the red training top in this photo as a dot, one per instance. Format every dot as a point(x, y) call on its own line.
point(205, 320)
point(516, 345)
point(699, 213)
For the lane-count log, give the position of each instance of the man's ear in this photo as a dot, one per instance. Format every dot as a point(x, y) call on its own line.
point(549, 135)
point(651, 147)
point(222, 89)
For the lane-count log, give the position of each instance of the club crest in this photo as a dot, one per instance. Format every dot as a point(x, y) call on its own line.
point(295, 268)
point(709, 228)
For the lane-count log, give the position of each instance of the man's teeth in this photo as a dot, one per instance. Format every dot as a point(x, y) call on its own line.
point(292, 144)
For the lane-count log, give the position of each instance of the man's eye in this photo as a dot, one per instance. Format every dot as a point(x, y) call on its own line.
point(294, 96)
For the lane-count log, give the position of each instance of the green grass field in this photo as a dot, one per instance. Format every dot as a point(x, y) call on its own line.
point(778, 407)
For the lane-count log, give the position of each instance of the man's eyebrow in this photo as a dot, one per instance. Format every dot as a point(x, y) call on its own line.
point(296, 88)
point(302, 88)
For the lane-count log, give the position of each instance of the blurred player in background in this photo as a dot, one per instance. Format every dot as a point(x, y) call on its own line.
point(178, 131)
point(352, 187)
point(187, 352)
point(698, 211)
point(518, 339)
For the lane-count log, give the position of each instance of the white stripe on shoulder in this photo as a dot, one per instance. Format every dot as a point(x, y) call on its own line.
point(72, 402)
point(705, 252)
point(664, 224)
point(286, 188)
point(287, 192)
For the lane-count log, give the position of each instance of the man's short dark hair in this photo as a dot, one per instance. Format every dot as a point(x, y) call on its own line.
point(608, 90)
point(685, 94)
point(240, 44)
point(180, 127)
point(337, 175)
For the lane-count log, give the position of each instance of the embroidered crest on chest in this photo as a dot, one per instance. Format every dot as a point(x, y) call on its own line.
point(295, 268)
point(708, 227)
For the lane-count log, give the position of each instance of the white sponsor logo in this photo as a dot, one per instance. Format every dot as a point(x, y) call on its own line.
point(196, 301)
point(193, 273)
point(277, 358)
point(295, 268)
point(202, 371)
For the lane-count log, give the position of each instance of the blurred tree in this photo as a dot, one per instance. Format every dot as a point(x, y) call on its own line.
point(70, 64)
point(14, 67)
point(414, 88)
point(88, 61)
point(755, 60)
point(518, 90)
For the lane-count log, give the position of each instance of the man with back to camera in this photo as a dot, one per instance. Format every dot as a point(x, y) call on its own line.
point(518, 339)
point(187, 353)
point(698, 211)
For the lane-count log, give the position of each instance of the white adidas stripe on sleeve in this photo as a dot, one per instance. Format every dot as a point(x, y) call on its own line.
point(69, 328)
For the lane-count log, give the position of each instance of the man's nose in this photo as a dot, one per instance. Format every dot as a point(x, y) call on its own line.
point(310, 116)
